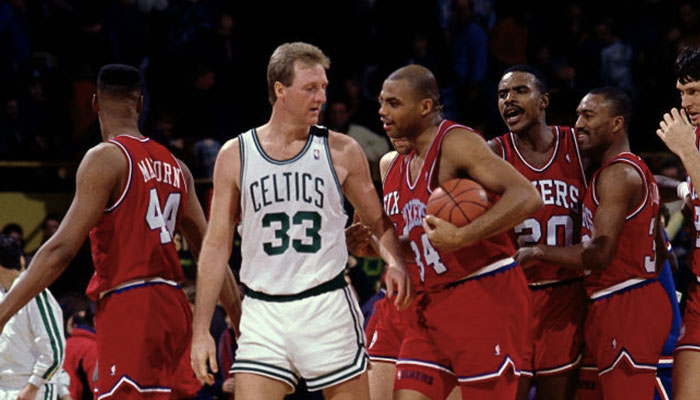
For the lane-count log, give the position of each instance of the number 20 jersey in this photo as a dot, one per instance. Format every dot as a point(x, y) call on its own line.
point(134, 237)
point(292, 217)
point(562, 183)
point(405, 203)
point(635, 257)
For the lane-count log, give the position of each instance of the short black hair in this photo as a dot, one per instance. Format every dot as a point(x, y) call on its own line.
point(540, 78)
point(119, 80)
point(688, 65)
point(74, 304)
point(10, 252)
point(619, 101)
point(12, 227)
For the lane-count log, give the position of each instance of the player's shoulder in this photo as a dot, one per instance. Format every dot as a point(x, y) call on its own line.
point(105, 153)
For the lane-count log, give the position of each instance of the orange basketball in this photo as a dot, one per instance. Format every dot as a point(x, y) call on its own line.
point(458, 201)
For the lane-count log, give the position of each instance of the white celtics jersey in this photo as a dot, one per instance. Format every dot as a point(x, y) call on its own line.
point(292, 217)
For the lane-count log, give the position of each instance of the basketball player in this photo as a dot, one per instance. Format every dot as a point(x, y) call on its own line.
point(679, 130)
point(629, 317)
point(549, 157)
point(460, 331)
point(131, 195)
point(285, 181)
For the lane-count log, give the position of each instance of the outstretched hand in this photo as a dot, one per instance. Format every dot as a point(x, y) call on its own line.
point(528, 256)
point(677, 132)
point(203, 351)
point(358, 238)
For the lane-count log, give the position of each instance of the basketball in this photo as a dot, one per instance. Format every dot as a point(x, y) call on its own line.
point(458, 201)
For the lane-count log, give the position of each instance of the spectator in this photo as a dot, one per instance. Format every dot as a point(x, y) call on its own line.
point(32, 342)
point(81, 345)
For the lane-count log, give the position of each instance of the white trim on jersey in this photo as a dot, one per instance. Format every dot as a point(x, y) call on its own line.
point(504, 365)
point(128, 182)
point(557, 133)
point(138, 282)
point(616, 288)
point(391, 360)
point(126, 380)
point(661, 390)
point(439, 367)
point(492, 267)
point(634, 364)
point(560, 369)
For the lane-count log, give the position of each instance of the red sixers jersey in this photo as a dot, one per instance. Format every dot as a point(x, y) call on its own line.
point(134, 237)
point(636, 251)
point(562, 184)
point(695, 265)
point(405, 203)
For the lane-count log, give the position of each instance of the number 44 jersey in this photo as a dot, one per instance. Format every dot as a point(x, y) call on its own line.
point(292, 217)
point(134, 237)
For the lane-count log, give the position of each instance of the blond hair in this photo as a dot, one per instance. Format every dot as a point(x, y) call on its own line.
point(281, 65)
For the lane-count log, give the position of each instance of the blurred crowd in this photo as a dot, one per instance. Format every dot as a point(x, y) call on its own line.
point(204, 64)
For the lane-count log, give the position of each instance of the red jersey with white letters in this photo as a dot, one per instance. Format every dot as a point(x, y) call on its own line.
point(695, 265)
point(562, 184)
point(405, 202)
point(134, 237)
point(635, 256)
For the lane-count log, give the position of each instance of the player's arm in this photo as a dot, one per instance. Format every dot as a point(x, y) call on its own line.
point(618, 188)
point(352, 169)
point(359, 238)
point(671, 189)
point(465, 151)
point(213, 261)
point(193, 226)
point(97, 177)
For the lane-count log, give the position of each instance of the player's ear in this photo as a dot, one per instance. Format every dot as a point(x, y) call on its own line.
point(279, 89)
point(139, 104)
point(545, 100)
point(619, 124)
point(426, 107)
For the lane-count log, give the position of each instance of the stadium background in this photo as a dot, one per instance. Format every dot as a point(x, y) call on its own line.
point(204, 63)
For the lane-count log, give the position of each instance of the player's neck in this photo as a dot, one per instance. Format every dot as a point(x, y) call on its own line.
point(614, 150)
point(7, 277)
point(425, 139)
point(284, 128)
point(537, 138)
point(114, 127)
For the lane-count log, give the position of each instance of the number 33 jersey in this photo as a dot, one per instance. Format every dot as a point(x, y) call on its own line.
point(134, 237)
point(292, 217)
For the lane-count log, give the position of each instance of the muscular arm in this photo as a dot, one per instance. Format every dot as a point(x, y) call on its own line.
point(97, 177)
point(359, 238)
point(213, 261)
point(193, 226)
point(668, 188)
point(466, 152)
point(619, 189)
point(352, 168)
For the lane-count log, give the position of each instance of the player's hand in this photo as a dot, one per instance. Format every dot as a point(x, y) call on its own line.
point(528, 256)
point(677, 132)
point(397, 280)
point(28, 392)
point(229, 385)
point(203, 351)
point(358, 238)
point(444, 235)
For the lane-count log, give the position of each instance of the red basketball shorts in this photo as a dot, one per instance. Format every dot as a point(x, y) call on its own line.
point(689, 338)
point(142, 333)
point(557, 314)
point(385, 330)
point(629, 326)
point(468, 332)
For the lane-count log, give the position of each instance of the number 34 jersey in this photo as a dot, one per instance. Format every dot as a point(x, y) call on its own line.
point(292, 217)
point(134, 237)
